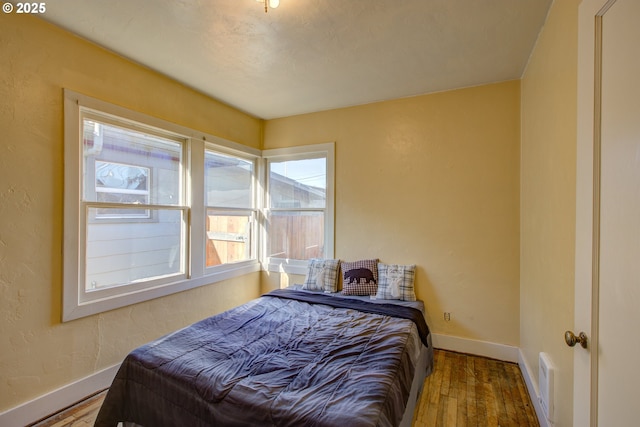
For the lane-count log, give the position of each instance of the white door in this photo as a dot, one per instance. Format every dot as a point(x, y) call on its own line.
point(608, 219)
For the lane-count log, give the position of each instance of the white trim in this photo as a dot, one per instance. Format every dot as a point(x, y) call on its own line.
point(125, 114)
point(289, 266)
point(300, 151)
point(533, 391)
point(50, 403)
point(227, 272)
point(493, 350)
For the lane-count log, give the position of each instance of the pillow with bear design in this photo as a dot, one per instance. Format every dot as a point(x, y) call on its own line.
point(396, 282)
point(360, 277)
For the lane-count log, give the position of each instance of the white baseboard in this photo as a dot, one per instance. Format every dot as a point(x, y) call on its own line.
point(50, 403)
point(533, 390)
point(481, 348)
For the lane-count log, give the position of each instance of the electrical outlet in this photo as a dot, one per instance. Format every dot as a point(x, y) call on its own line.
point(447, 316)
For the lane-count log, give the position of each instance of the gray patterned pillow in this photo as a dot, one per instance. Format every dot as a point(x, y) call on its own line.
point(322, 275)
point(396, 282)
point(360, 277)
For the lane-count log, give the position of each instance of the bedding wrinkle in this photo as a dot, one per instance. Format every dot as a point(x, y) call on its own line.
point(355, 363)
point(250, 362)
point(328, 352)
point(352, 334)
point(203, 362)
point(271, 362)
point(397, 397)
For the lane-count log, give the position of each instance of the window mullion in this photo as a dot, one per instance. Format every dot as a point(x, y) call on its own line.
point(196, 195)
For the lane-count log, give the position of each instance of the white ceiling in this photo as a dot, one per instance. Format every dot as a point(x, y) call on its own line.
point(313, 55)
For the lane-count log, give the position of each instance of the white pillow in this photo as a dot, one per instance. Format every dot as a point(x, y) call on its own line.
point(396, 282)
point(322, 275)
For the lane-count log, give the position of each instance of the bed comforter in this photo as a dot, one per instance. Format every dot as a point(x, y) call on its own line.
point(284, 359)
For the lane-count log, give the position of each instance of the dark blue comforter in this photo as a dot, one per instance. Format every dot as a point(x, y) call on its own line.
point(275, 361)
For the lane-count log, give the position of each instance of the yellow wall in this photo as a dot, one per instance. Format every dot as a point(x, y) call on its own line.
point(37, 352)
point(549, 114)
point(433, 181)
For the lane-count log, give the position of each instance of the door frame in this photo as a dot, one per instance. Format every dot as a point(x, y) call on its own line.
point(587, 287)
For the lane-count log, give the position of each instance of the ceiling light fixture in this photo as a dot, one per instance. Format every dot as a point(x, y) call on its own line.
point(269, 4)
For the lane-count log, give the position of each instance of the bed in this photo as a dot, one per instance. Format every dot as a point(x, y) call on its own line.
point(288, 358)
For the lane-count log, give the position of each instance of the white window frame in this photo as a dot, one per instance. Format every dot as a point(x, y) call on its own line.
point(76, 302)
point(326, 150)
point(254, 210)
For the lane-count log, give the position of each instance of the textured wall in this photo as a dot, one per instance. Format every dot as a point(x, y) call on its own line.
point(549, 114)
point(38, 353)
point(431, 180)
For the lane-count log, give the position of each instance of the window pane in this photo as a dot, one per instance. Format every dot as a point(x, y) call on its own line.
point(118, 176)
point(121, 183)
point(120, 253)
point(126, 162)
point(228, 181)
point(228, 237)
point(295, 235)
point(298, 183)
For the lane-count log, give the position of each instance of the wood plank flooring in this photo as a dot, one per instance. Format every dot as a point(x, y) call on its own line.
point(82, 414)
point(463, 391)
point(466, 390)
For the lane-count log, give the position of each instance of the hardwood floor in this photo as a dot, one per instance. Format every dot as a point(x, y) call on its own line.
point(82, 414)
point(464, 390)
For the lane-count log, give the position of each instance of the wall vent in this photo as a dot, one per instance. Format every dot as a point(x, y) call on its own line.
point(545, 381)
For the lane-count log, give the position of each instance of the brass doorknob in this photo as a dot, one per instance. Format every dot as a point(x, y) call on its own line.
point(571, 339)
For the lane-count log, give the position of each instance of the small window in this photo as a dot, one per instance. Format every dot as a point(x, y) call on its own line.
point(299, 212)
point(230, 208)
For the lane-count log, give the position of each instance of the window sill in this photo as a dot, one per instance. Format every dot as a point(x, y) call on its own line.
point(74, 309)
point(279, 265)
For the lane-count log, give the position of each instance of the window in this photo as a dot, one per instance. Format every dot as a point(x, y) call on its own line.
point(299, 208)
point(151, 208)
point(119, 249)
point(230, 206)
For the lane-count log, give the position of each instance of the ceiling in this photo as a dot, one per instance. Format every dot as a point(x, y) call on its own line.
point(313, 55)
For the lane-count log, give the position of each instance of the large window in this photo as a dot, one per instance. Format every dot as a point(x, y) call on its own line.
point(299, 206)
point(153, 208)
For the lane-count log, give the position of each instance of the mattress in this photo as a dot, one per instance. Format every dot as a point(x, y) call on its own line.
point(288, 358)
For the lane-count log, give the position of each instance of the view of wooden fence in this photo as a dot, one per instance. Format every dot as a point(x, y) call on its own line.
point(291, 235)
point(227, 239)
point(296, 236)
